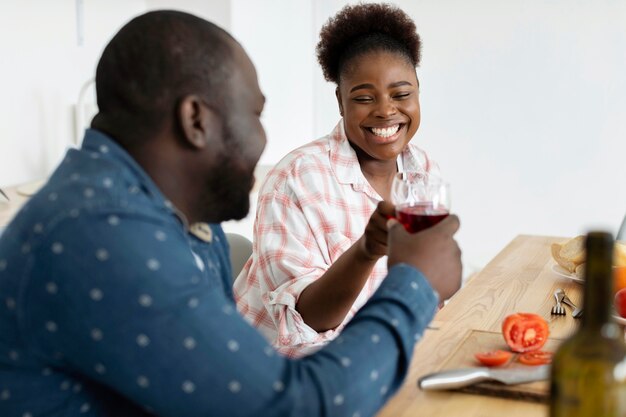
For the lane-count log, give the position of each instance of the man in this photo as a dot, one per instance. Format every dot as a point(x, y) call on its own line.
point(112, 304)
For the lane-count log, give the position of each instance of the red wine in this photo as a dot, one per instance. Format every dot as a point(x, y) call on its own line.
point(416, 218)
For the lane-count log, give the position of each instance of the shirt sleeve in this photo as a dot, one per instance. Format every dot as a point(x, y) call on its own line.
point(298, 242)
point(124, 303)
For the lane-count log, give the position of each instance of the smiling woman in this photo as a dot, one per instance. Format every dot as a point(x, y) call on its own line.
point(320, 229)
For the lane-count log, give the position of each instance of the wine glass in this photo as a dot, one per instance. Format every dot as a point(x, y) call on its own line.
point(421, 200)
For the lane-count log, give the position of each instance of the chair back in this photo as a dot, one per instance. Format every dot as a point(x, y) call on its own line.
point(240, 251)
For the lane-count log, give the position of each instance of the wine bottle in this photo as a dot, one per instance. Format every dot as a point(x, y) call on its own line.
point(589, 369)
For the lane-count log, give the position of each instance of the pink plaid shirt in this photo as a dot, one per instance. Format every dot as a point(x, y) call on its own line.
point(313, 205)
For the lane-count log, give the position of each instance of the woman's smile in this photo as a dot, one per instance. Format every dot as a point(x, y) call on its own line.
point(386, 135)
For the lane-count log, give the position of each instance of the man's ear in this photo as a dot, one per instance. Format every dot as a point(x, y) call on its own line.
point(198, 121)
point(338, 95)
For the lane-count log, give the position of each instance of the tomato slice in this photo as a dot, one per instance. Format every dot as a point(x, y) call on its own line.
point(525, 332)
point(537, 357)
point(494, 357)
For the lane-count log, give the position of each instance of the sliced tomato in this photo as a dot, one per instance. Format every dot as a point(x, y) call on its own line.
point(537, 357)
point(493, 357)
point(525, 332)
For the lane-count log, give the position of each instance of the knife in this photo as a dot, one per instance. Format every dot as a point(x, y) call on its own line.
point(458, 378)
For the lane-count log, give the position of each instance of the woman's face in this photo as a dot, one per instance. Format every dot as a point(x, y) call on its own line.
point(378, 97)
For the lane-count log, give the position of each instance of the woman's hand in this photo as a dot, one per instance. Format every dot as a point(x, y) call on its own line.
point(433, 251)
point(373, 243)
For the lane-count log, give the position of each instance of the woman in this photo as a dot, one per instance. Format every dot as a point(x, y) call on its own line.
point(313, 266)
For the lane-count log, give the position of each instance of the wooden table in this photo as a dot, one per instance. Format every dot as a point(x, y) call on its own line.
point(518, 279)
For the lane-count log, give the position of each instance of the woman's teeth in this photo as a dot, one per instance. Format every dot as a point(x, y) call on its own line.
point(385, 132)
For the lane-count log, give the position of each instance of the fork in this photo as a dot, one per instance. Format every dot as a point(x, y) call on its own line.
point(577, 312)
point(558, 309)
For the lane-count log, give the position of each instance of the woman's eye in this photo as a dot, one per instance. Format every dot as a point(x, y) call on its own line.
point(362, 99)
point(402, 95)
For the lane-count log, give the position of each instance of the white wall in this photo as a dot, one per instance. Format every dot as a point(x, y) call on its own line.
point(43, 68)
point(41, 73)
point(278, 37)
point(524, 108)
point(523, 103)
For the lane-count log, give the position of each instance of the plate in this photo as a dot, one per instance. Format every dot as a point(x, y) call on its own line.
point(566, 274)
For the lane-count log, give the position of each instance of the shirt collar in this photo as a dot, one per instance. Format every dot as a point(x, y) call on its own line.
point(99, 143)
point(343, 159)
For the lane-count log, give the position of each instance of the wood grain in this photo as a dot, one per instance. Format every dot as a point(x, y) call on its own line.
point(482, 341)
point(518, 279)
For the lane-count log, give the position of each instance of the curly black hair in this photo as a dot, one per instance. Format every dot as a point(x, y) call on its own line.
point(362, 28)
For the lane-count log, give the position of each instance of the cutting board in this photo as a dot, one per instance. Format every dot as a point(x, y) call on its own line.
point(482, 341)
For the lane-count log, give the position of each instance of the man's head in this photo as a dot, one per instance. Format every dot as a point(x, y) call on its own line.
point(182, 96)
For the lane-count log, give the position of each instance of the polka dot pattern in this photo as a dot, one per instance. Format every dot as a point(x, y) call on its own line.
point(143, 340)
point(5, 395)
point(100, 369)
point(181, 291)
point(102, 254)
point(278, 386)
point(153, 264)
point(143, 381)
point(145, 300)
point(57, 248)
point(189, 343)
point(96, 334)
point(188, 387)
point(96, 294)
point(233, 345)
point(234, 386)
point(52, 288)
point(160, 236)
point(193, 302)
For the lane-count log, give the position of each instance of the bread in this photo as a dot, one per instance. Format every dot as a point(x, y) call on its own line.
point(569, 254)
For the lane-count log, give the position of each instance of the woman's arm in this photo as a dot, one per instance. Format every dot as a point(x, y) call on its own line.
point(325, 303)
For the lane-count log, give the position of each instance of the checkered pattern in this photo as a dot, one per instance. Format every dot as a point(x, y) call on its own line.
point(312, 207)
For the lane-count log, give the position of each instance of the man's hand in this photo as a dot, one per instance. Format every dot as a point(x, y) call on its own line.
point(373, 243)
point(433, 251)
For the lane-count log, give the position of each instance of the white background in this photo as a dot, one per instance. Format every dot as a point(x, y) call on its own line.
point(523, 102)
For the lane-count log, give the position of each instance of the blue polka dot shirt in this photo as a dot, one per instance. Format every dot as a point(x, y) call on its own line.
point(110, 306)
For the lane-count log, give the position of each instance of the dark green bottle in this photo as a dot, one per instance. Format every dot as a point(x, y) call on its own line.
point(589, 368)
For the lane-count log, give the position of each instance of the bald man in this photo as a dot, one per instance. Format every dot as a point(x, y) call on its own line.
point(115, 278)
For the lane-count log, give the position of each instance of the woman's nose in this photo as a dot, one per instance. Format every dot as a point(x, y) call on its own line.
point(385, 108)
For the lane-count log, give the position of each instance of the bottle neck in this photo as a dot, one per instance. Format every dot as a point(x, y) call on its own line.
point(597, 296)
